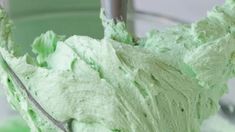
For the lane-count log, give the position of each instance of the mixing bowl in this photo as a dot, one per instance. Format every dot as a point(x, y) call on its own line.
point(31, 18)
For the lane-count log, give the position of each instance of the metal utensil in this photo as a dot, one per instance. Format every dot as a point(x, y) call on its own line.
point(61, 125)
point(115, 9)
point(228, 110)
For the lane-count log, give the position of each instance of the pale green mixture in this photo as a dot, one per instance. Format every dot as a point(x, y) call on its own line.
point(169, 81)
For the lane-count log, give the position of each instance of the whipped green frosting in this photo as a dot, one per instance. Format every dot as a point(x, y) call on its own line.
point(168, 81)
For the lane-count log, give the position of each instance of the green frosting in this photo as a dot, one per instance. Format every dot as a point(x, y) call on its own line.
point(45, 45)
point(116, 30)
point(5, 31)
point(167, 81)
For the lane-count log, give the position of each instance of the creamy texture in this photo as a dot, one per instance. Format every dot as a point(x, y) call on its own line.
point(168, 81)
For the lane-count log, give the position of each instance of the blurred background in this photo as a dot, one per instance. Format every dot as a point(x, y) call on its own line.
point(69, 17)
